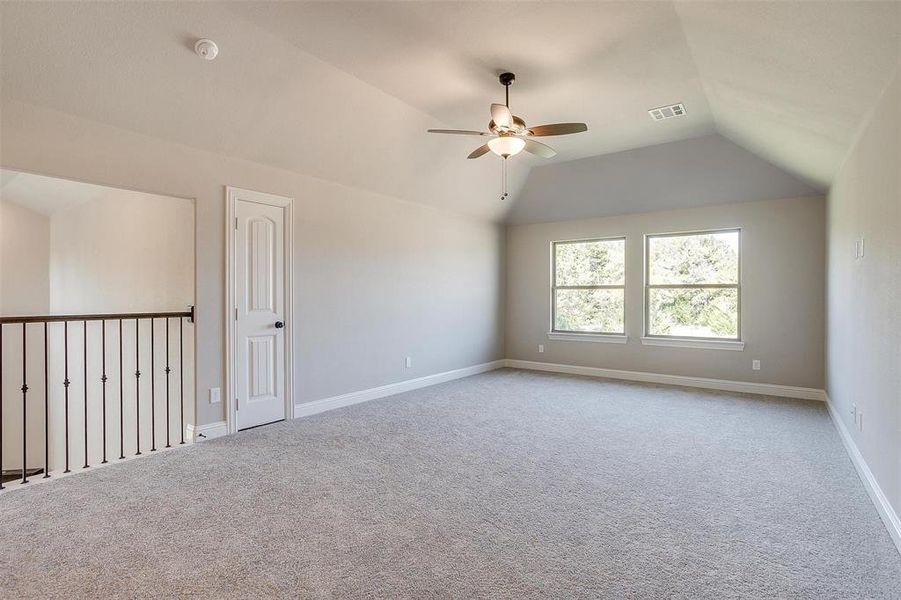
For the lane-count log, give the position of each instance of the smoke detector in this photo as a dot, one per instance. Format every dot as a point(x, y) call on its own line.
point(662, 113)
point(206, 49)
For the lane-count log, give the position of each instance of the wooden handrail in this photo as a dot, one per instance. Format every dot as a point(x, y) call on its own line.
point(99, 317)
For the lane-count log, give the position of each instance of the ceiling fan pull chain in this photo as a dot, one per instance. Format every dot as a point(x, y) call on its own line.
point(504, 178)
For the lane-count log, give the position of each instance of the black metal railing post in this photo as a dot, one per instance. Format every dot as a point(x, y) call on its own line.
point(181, 373)
point(66, 385)
point(1, 406)
point(24, 407)
point(152, 392)
point(85, 361)
point(46, 408)
point(138, 386)
point(103, 382)
point(121, 399)
point(168, 422)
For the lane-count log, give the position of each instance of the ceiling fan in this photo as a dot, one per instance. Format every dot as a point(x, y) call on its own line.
point(509, 133)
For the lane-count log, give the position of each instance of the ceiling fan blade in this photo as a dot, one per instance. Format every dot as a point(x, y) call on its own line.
point(501, 116)
point(558, 129)
point(459, 131)
point(483, 149)
point(538, 149)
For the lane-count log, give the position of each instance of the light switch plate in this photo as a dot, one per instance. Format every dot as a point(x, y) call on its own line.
point(215, 396)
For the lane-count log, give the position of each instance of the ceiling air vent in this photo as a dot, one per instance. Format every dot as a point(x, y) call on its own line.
point(667, 112)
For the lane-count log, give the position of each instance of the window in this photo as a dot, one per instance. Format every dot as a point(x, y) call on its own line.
point(692, 287)
point(589, 285)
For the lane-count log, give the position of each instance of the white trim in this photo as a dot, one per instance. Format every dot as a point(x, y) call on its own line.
point(206, 432)
point(883, 506)
point(598, 338)
point(318, 406)
point(692, 343)
point(231, 195)
point(745, 387)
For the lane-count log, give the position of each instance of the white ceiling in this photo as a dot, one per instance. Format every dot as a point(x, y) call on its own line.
point(604, 63)
point(345, 90)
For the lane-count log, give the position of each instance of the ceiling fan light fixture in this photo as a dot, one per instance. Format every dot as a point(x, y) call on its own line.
point(506, 145)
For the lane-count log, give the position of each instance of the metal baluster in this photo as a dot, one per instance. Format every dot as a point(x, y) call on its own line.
point(66, 385)
point(181, 374)
point(1, 406)
point(152, 393)
point(46, 409)
point(121, 399)
point(86, 465)
point(103, 381)
point(24, 404)
point(168, 426)
point(137, 386)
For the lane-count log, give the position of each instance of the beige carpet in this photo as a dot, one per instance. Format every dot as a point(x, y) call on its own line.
point(509, 484)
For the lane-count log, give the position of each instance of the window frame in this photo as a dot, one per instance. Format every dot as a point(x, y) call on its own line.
point(647, 335)
point(554, 287)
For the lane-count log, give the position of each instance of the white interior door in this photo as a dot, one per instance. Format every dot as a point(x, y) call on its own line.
point(260, 313)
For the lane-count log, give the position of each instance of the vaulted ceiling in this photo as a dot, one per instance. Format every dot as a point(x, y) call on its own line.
point(345, 90)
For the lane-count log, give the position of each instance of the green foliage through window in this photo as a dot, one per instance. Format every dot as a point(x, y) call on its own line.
point(693, 285)
point(589, 286)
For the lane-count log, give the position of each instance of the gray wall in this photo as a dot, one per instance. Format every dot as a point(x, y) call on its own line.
point(864, 296)
point(704, 171)
point(377, 279)
point(783, 277)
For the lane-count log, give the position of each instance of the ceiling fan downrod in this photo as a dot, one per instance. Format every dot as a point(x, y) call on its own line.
point(507, 80)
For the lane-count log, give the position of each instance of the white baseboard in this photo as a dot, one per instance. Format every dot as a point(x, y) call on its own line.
point(767, 389)
point(206, 432)
point(883, 507)
point(318, 406)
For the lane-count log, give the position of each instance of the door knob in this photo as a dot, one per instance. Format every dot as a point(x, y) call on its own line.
point(279, 324)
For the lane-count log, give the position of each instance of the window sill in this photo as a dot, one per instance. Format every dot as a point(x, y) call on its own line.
point(597, 338)
point(690, 343)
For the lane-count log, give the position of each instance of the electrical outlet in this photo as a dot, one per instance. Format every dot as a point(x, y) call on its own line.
point(540, 348)
point(215, 396)
point(409, 362)
point(755, 364)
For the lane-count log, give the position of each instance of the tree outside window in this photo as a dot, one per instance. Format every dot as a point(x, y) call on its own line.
point(589, 278)
point(693, 285)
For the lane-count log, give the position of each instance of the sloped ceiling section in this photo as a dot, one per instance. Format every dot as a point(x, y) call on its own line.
point(344, 91)
point(793, 81)
point(699, 172)
point(132, 65)
point(604, 63)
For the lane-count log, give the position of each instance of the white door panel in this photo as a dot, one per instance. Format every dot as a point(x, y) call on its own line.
point(259, 300)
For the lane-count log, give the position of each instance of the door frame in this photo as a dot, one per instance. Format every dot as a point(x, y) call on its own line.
point(232, 195)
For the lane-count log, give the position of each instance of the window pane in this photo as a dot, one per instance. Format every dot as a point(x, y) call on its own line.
point(597, 311)
point(590, 263)
point(690, 259)
point(693, 312)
